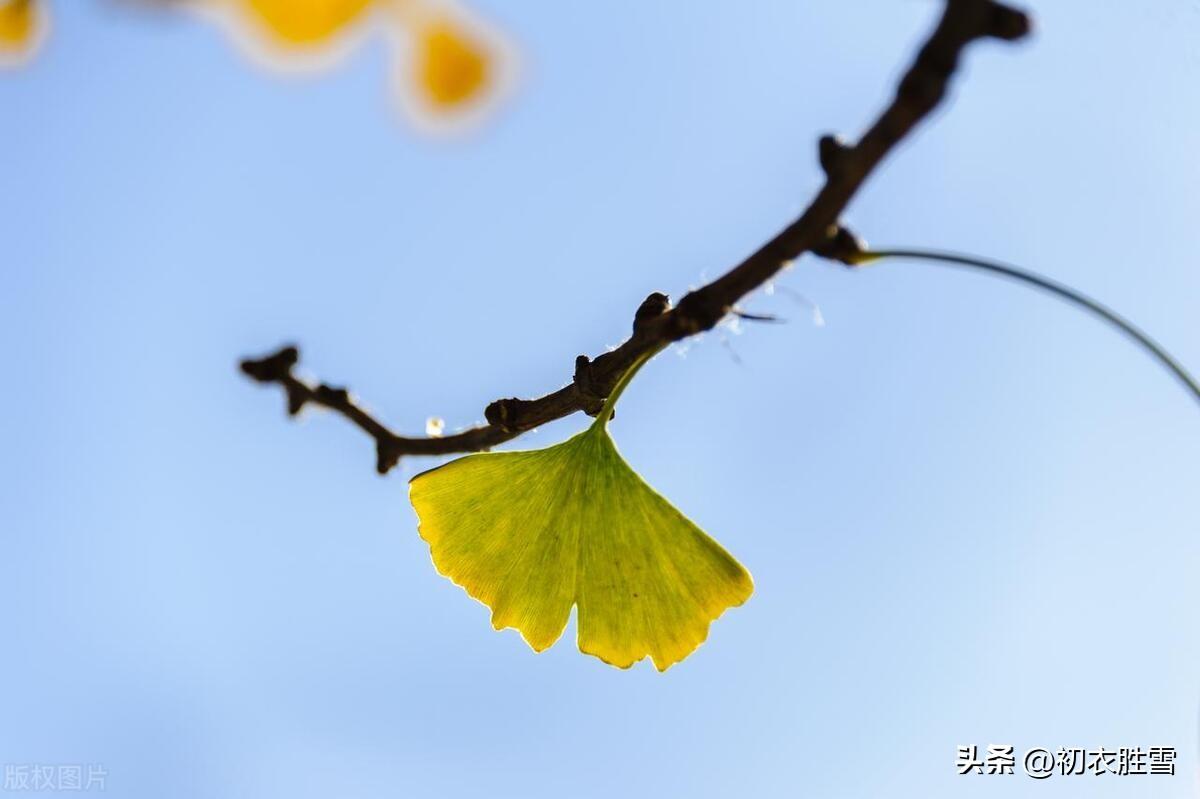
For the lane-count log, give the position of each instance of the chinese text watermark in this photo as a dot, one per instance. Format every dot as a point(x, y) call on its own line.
point(1040, 763)
point(54, 777)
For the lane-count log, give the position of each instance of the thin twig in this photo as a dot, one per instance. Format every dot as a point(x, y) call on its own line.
point(1060, 290)
point(656, 324)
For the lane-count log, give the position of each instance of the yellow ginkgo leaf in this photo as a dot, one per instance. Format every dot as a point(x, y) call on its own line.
point(21, 22)
point(452, 66)
point(305, 23)
point(531, 534)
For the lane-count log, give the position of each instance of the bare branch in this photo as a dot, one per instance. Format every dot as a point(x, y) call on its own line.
point(846, 167)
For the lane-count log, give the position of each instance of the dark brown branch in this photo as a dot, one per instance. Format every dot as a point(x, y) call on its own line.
point(846, 167)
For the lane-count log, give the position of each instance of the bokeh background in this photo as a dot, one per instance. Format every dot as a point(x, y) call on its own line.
point(970, 510)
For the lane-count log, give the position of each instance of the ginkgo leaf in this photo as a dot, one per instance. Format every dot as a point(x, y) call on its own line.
point(21, 26)
point(531, 534)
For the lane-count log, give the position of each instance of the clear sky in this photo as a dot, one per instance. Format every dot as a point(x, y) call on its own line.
point(970, 511)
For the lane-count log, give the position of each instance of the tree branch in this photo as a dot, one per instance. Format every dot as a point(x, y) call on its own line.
point(846, 169)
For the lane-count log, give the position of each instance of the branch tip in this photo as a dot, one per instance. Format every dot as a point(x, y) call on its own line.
point(297, 396)
point(1007, 23)
point(272, 368)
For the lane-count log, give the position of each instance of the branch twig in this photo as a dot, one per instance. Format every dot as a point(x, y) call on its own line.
point(656, 324)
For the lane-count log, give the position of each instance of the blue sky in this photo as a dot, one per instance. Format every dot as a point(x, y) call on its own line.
point(969, 510)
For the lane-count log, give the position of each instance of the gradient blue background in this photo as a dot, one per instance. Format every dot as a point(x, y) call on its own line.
point(970, 511)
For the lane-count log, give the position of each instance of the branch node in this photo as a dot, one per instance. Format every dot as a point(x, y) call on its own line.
point(387, 455)
point(831, 152)
point(590, 400)
point(331, 396)
point(841, 245)
point(651, 308)
point(504, 413)
point(697, 311)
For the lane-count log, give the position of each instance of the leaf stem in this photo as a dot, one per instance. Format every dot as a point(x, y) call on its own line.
point(610, 402)
point(1053, 287)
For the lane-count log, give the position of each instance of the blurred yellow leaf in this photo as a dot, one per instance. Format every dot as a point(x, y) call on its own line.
point(306, 22)
point(20, 24)
point(452, 63)
point(452, 66)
